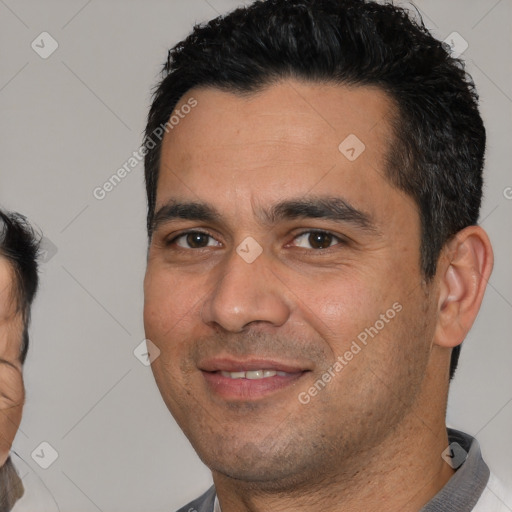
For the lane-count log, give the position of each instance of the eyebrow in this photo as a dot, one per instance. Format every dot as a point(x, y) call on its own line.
point(330, 208)
point(184, 210)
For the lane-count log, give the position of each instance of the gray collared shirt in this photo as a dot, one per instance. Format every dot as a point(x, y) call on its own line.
point(463, 490)
point(460, 494)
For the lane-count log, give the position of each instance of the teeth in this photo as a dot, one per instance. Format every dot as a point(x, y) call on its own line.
point(252, 374)
point(255, 374)
point(234, 375)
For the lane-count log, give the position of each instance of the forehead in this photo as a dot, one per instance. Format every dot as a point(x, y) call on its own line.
point(6, 287)
point(291, 136)
point(11, 324)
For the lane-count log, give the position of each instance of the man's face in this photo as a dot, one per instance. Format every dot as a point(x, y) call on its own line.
point(340, 259)
point(11, 380)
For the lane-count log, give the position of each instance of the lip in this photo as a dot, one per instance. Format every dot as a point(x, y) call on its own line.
point(227, 364)
point(248, 389)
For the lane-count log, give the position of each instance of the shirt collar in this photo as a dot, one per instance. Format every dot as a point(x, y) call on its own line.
point(465, 487)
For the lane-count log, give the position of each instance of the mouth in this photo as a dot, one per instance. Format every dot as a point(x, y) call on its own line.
point(253, 374)
point(251, 379)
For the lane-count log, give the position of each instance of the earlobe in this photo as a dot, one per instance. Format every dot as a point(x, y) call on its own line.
point(464, 270)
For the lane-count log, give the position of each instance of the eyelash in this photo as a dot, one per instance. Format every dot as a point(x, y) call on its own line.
point(339, 240)
point(186, 233)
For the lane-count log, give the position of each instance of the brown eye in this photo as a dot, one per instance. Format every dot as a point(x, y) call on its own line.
point(316, 240)
point(195, 240)
point(320, 240)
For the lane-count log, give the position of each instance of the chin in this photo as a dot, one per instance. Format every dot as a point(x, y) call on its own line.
point(269, 467)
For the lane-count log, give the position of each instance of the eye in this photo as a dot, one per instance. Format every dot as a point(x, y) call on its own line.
point(316, 240)
point(194, 240)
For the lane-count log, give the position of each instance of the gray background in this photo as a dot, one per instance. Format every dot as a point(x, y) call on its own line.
point(67, 123)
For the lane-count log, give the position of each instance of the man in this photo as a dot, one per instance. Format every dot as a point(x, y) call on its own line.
point(314, 178)
point(18, 285)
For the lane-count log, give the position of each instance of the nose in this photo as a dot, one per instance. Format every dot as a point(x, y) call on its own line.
point(246, 293)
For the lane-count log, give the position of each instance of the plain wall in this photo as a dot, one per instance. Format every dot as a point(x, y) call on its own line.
point(67, 123)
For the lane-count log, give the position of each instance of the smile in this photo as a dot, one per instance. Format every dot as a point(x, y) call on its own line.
point(253, 374)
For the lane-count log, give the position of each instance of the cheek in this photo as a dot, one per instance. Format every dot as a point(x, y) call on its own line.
point(166, 320)
point(340, 306)
point(169, 300)
point(11, 407)
point(370, 321)
point(172, 308)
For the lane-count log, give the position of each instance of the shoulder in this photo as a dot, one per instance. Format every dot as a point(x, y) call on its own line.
point(202, 504)
point(496, 497)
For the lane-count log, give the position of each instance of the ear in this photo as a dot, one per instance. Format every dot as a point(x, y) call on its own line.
point(463, 272)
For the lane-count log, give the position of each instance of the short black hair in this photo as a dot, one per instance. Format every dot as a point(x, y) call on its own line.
point(19, 245)
point(437, 155)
